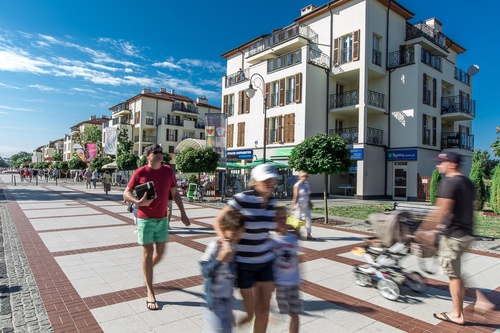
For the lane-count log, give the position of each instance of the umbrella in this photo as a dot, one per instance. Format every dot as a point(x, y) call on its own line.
point(261, 161)
point(111, 165)
point(231, 165)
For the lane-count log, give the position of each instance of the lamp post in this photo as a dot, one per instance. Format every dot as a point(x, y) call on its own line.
point(250, 92)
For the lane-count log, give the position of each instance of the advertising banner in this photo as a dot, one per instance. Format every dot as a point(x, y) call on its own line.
point(215, 134)
point(91, 151)
point(79, 150)
point(110, 140)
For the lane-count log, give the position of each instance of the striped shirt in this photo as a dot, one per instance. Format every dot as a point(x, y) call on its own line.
point(255, 246)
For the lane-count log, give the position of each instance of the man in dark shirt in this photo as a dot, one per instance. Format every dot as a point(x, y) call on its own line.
point(454, 217)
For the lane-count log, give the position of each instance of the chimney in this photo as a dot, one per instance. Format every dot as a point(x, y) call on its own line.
point(92, 117)
point(201, 100)
point(435, 24)
point(307, 9)
point(163, 90)
point(146, 91)
point(172, 92)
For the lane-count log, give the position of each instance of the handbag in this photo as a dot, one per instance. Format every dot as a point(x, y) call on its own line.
point(148, 188)
point(294, 222)
point(130, 207)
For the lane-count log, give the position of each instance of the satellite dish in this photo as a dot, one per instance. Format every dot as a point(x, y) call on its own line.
point(473, 70)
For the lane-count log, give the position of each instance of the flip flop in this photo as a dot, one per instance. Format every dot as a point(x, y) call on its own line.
point(446, 318)
point(153, 302)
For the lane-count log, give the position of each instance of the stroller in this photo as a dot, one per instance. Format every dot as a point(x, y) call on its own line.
point(383, 253)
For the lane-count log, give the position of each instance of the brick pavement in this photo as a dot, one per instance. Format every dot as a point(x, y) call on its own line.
point(82, 251)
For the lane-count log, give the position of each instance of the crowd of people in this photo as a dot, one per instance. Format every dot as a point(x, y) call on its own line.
point(29, 174)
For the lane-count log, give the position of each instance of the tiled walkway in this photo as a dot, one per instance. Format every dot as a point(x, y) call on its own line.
point(82, 250)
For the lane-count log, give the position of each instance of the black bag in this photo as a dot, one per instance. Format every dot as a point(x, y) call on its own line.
point(148, 188)
point(130, 207)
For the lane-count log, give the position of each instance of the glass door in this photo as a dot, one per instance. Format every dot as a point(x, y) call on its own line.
point(400, 183)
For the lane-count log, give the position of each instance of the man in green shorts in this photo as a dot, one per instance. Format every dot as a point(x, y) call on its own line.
point(152, 223)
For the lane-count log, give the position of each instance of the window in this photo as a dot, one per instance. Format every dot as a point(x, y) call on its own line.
point(275, 90)
point(171, 149)
point(429, 130)
point(243, 102)
point(290, 89)
point(149, 118)
point(426, 92)
point(230, 105)
point(187, 135)
point(272, 135)
point(376, 55)
point(346, 49)
point(137, 117)
point(171, 135)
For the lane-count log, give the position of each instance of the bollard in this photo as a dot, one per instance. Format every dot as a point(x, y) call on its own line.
point(15, 181)
point(36, 180)
point(56, 181)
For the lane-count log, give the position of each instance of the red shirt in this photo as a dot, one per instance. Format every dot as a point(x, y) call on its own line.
point(164, 180)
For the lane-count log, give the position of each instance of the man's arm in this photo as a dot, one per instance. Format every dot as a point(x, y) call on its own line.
point(178, 200)
point(438, 218)
point(128, 196)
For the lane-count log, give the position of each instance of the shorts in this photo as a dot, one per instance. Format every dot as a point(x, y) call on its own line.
point(288, 299)
point(150, 231)
point(248, 274)
point(450, 253)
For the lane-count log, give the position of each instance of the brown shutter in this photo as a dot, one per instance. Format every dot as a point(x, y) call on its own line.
point(355, 45)
point(238, 135)
point(434, 90)
point(434, 122)
point(424, 88)
point(224, 104)
point(247, 103)
point(282, 92)
point(267, 95)
point(230, 135)
point(280, 129)
point(336, 43)
point(243, 134)
point(168, 132)
point(292, 128)
point(240, 101)
point(267, 130)
point(285, 128)
point(176, 132)
point(298, 87)
point(424, 121)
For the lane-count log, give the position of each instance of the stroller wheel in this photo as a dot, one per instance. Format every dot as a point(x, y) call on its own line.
point(388, 288)
point(362, 279)
point(416, 282)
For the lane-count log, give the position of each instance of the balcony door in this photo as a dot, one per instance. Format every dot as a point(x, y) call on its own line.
point(400, 182)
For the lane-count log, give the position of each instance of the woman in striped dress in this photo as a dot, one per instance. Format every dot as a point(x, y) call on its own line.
point(254, 255)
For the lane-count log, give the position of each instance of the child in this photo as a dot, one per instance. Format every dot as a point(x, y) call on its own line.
point(219, 271)
point(286, 268)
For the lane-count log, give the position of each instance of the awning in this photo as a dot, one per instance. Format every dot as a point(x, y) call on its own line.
point(268, 161)
point(110, 166)
point(191, 143)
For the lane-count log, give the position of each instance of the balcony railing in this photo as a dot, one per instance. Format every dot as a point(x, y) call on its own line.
point(239, 76)
point(346, 55)
point(120, 120)
point(376, 57)
point(286, 60)
point(319, 58)
point(462, 76)
point(199, 125)
point(431, 59)
point(461, 104)
point(350, 135)
point(149, 121)
point(347, 98)
point(375, 99)
point(188, 136)
point(120, 107)
point(180, 106)
point(423, 30)
point(401, 58)
point(427, 99)
point(281, 36)
point(175, 122)
point(145, 139)
point(457, 140)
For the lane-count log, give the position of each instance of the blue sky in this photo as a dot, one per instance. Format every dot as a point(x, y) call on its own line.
point(62, 61)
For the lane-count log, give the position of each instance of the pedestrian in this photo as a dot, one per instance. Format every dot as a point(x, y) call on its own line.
point(94, 177)
point(286, 269)
point(56, 174)
point(218, 269)
point(21, 174)
point(107, 182)
point(88, 179)
point(454, 217)
point(27, 175)
point(301, 202)
point(152, 224)
point(254, 252)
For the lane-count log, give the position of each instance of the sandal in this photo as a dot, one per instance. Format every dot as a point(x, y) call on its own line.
point(311, 238)
point(153, 302)
point(446, 318)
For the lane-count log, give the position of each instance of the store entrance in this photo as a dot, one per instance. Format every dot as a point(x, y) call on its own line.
point(400, 181)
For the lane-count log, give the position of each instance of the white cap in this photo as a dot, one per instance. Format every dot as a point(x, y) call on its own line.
point(263, 172)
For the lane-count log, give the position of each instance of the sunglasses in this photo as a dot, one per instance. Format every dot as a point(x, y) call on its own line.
point(156, 152)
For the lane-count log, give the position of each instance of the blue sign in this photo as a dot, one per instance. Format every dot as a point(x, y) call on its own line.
point(356, 153)
point(353, 168)
point(402, 155)
point(240, 154)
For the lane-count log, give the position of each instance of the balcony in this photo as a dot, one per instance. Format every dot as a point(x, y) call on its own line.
point(346, 55)
point(431, 59)
point(459, 107)
point(350, 135)
point(421, 29)
point(375, 99)
point(145, 139)
point(376, 57)
point(174, 122)
point(457, 140)
point(462, 76)
point(75, 130)
point(318, 58)
point(348, 98)
point(121, 110)
point(401, 58)
point(240, 76)
point(120, 120)
point(198, 124)
point(182, 107)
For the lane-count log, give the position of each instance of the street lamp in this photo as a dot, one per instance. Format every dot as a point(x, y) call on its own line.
point(250, 92)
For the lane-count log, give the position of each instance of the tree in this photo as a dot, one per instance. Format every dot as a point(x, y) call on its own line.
point(76, 163)
point(436, 178)
point(321, 153)
point(17, 159)
point(193, 160)
point(63, 166)
point(476, 175)
point(496, 144)
point(58, 157)
point(487, 164)
point(495, 190)
point(91, 134)
point(127, 162)
point(124, 144)
point(99, 162)
point(143, 160)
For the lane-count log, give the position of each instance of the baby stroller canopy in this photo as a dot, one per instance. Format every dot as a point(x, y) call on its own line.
point(391, 227)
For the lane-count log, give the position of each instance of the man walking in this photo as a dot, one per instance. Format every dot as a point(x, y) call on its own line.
point(454, 218)
point(152, 223)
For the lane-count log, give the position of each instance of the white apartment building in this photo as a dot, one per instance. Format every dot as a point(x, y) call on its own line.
point(359, 69)
point(162, 117)
point(46, 152)
point(79, 129)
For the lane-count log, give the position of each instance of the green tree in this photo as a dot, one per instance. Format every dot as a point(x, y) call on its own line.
point(476, 175)
point(63, 166)
point(495, 190)
point(496, 145)
point(487, 164)
point(99, 162)
point(193, 160)
point(127, 162)
point(76, 163)
point(321, 154)
point(124, 144)
point(18, 159)
point(58, 157)
point(436, 178)
point(91, 134)
point(26, 165)
point(143, 160)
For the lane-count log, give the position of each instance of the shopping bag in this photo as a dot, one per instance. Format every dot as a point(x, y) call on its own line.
point(294, 222)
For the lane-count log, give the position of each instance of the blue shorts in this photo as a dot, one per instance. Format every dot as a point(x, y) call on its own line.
point(151, 231)
point(248, 274)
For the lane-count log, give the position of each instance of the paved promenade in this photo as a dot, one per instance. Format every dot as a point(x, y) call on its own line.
point(70, 262)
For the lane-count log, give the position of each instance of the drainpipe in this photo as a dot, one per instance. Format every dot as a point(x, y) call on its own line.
point(156, 121)
point(328, 70)
point(388, 94)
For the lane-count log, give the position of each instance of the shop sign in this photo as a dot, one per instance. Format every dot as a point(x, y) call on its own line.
point(356, 153)
point(353, 168)
point(402, 155)
point(240, 154)
point(282, 152)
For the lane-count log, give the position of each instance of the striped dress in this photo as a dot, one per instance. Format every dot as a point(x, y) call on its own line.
point(255, 246)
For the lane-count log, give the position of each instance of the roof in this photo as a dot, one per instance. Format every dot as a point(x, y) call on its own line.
point(204, 105)
point(97, 121)
point(162, 95)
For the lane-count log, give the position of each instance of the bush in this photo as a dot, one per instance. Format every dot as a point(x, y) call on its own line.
point(436, 178)
point(76, 163)
point(494, 191)
point(476, 175)
point(193, 179)
point(127, 162)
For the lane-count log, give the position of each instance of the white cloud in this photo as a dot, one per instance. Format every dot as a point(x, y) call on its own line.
point(17, 60)
point(209, 65)
point(9, 86)
point(125, 47)
point(83, 90)
point(167, 64)
point(5, 107)
point(42, 87)
point(128, 70)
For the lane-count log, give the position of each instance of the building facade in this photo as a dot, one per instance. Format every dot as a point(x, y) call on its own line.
point(358, 69)
point(47, 152)
point(161, 117)
point(78, 130)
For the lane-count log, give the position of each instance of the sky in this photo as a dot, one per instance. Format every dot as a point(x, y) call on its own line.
point(63, 61)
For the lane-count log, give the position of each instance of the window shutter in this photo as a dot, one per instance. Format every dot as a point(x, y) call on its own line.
point(201, 136)
point(224, 104)
point(268, 101)
point(434, 122)
point(424, 88)
point(282, 92)
point(355, 45)
point(280, 129)
point(298, 87)
point(176, 132)
point(434, 90)
point(238, 135)
point(267, 130)
point(292, 128)
point(242, 134)
point(247, 103)
point(424, 125)
point(240, 101)
point(336, 43)
point(230, 135)
point(168, 136)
